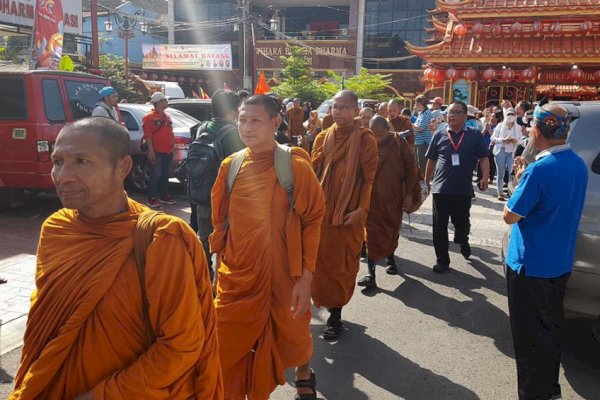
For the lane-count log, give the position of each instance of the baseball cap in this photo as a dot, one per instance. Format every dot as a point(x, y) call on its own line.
point(157, 96)
point(472, 111)
point(106, 91)
point(510, 111)
point(438, 100)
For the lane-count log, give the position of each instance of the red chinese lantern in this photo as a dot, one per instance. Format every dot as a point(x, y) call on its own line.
point(451, 73)
point(154, 77)
point(164, 77)
point(586, 27)
point(438, 75)
point(489, 74)
point(460, 30)
point(537, 27)
point(181, 79)
point(470, 74)
point(144, 75)
point(556, 27)
point(428, 74)
point(508, 74)
point(496, 29)
point(528, 74)
point(516, 28)
point(597, 76)
point(477, 29)
point(575, 75)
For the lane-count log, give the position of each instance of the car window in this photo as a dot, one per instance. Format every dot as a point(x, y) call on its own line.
point(181, 119)
point(15, 105)
point(82, 97)
point(53, 104)
point(200, 112)
point(130, 122)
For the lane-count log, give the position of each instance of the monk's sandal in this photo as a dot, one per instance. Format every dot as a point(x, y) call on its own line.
point(310, 383)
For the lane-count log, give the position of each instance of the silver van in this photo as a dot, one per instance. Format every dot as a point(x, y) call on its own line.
point(582, 297)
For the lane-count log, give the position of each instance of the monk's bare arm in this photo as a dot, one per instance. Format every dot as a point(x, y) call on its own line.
point(368, 165)
point(177, 320)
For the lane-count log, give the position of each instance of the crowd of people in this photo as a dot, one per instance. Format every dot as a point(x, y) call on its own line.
point(128, 304)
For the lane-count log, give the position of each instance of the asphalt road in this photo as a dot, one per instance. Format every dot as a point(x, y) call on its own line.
point(419, 336)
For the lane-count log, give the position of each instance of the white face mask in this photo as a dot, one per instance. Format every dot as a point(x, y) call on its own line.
point(511, 118)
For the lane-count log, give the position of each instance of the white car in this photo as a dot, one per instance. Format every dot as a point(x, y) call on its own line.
point(183, 126)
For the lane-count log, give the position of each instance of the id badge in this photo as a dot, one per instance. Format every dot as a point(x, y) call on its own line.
point(455, 160)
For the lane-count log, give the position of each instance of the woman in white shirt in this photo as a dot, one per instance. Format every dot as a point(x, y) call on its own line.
point(505, 137)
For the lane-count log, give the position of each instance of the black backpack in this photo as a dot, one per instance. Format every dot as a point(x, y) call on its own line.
point(202, 163)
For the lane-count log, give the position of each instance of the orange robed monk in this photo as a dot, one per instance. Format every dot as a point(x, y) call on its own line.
point(94, 330)
point(393, 190)
point(266, 238)
point(345, 160)
point(401, 123)
point(296, 128)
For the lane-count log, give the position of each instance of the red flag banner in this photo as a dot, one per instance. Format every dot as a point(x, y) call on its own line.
point(47, 34)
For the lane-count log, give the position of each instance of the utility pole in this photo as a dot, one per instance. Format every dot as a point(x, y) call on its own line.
point(94, 21)
point(360, 37)
point(247, 80)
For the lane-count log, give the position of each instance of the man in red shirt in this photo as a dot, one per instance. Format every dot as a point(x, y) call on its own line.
point(158, 133)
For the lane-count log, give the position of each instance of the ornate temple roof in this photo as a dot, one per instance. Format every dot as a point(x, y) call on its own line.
point(477, 9)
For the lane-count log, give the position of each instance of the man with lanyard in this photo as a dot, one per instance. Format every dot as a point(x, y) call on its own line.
point(107, 105)
point(544, 211)
point(158, 133)
point(452, 155)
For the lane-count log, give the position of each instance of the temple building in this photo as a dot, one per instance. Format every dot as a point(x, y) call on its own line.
point(483, 51)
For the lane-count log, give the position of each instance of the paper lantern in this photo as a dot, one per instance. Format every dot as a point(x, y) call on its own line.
point(528, 74)
point(154, 77)
point(537, 27)
point(556, 28)
point(164, 77)
point(489, 74)
point(508, 74)
point(428, 74)
point(586, 27)
point(438, 75)
point(478, 29)
point(575, 75)
point(496, 29)
point(597, 76)
point(516, 29)
point(144, 75)
point(470, 74)
point(181, 79)
point(460, 30)
point(451, 73)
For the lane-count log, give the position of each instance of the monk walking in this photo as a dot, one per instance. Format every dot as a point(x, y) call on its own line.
point(345, 160)
point(400, 122)
point(396, 177)
point(266, 238)
point(100, 325)
point(296, 128)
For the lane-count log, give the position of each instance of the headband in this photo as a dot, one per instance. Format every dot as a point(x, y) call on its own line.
point(553, 126)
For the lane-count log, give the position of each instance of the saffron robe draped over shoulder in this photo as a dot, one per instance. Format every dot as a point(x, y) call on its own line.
point(296, 125)
point(261, 255)
point(401, 124)
point(397, 174)
point(327, 121)
point(345, 162)
point(86, 330)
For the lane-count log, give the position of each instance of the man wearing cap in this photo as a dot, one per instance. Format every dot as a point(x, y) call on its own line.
point(422, 132)
point(158, 133)
point(545, 219)
point(107, 105)
point(437, 104)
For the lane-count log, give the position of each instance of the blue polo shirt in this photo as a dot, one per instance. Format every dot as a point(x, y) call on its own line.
point(549, 197)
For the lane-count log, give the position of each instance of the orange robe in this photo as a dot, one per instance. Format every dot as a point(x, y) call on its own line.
point(86, 329)
point(397, 174)
point(261, 255)
point(334, 153)
point(327, 121)
point(296, 125)
point(401, 124)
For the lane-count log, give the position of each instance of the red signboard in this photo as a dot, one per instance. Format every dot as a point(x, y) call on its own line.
point(48, 34)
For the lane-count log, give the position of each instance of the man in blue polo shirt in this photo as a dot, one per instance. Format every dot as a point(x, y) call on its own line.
point(451, 158)
point(545, 210)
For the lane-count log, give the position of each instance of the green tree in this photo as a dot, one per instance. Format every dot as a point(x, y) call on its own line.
point(365, 85)
point(296, 77)
point(113, 69)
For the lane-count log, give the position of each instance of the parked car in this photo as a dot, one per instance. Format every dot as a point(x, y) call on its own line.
point(582, 296)
point(197, 108)
point(183, 126)
point(361, 103)
point(34, 106)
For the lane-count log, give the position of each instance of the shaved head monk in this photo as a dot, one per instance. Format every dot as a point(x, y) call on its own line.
point(296, 128)
point(267, 244)
point(400, 123)
point(365, 114)
point(100, 326)
point(397, 174)
point(345, 160)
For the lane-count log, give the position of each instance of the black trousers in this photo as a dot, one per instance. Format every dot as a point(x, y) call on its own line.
point(454, 207)
point(535, 307)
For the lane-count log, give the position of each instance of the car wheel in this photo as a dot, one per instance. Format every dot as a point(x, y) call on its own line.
point(139, 177)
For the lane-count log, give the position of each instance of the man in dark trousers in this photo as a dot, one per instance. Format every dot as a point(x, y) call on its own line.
point(452, 155)
point(544, 212)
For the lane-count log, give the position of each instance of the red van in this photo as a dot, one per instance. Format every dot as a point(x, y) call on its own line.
point(34, 106)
